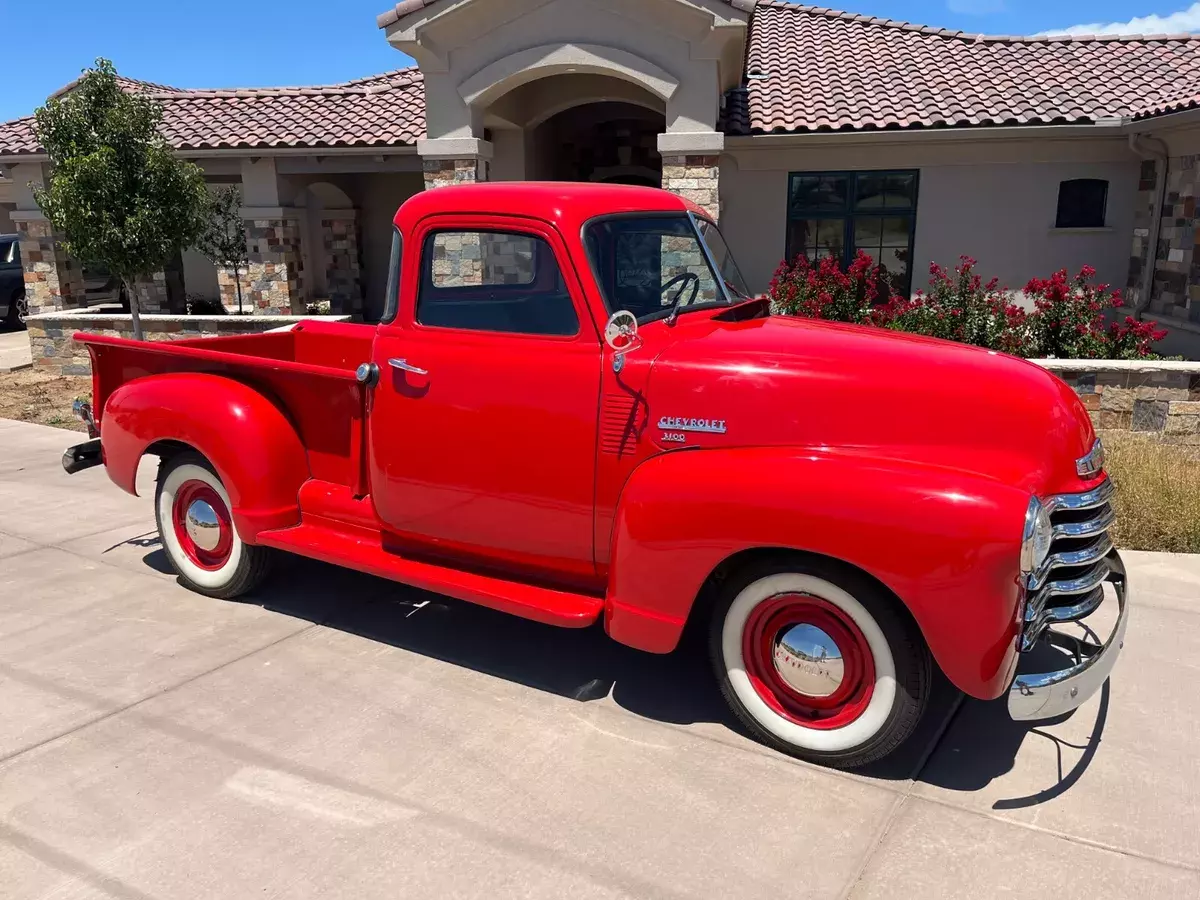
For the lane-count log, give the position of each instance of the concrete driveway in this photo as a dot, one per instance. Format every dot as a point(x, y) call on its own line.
point(344, 737)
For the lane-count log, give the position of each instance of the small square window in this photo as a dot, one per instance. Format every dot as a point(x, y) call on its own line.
point(1082, 203)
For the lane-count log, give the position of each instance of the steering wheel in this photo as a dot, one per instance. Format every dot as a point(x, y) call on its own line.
point(682, 280)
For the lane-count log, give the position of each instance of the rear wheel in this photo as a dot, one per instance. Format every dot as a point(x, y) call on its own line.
point(818, 662)
point(194, 521)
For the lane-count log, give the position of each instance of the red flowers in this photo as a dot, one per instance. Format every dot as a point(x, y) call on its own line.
point(824, 291)
point(1067, 320)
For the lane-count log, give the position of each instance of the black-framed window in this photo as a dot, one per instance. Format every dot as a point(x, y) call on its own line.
point(1082, 203)
point(839, 213)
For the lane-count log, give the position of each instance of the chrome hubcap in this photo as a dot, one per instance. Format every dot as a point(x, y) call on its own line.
point(203, 526)
point(809, 661)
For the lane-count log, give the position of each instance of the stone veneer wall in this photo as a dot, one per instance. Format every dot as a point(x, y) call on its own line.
point(698, 178)
point(53, 281)
point(445, 172)
point(152, 294)
point(272, 282)
point(458, 258)
point(54, 349)
point(227, 288)
point(343, 273)
point(1157, 397)
point(1176, 287)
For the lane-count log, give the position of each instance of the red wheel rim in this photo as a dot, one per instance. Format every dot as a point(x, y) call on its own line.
point(201, 499)
point(766, 658)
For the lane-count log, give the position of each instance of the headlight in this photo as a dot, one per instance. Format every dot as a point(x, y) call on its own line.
point(1035, 543)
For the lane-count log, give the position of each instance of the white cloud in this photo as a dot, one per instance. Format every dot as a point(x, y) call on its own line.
point(1172, 23)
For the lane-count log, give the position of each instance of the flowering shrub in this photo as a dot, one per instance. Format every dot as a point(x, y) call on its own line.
point(824, 291)
point(1067, 320)
point(960, 307)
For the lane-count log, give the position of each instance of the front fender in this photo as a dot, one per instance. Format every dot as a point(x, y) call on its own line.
point(248, 439)
point(945, 541)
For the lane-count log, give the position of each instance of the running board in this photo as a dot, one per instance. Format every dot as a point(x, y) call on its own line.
point(365, 554)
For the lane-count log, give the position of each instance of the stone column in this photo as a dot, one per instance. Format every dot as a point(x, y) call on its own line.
point(458, 259)
point(271, 285)
point(53, 281)
point(448, 161)
point(227, 287)
point(1141, 253)
point(343, 272)
point(692, 167)
point(152, 295)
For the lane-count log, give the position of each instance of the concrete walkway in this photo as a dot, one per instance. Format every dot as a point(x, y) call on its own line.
point(345, 737)
point(14, 351)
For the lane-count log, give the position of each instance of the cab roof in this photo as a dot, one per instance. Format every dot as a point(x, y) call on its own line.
point(565, 204)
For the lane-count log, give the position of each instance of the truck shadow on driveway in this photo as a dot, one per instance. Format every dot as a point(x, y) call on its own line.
point(961, 745)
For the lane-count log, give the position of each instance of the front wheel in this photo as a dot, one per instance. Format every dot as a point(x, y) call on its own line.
point(192, 508)
point(818, 662)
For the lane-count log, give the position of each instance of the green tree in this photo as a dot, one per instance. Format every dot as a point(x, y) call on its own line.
point(223, 240)
point(116, 191)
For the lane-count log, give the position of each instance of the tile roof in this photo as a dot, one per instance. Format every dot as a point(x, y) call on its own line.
point(808, 69)
point(379, 111)
point(815, 69)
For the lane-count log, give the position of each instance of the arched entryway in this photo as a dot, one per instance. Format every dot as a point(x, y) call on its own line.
point(605, 142)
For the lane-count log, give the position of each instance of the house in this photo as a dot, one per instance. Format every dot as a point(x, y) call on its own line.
point(805, 130)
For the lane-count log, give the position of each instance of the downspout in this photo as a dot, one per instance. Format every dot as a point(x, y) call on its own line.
point(1161, 158)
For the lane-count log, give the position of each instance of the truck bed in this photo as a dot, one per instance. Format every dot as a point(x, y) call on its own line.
point(308, 371)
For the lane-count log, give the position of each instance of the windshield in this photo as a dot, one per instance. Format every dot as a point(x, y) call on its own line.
point(723, 258)
point(653, 264)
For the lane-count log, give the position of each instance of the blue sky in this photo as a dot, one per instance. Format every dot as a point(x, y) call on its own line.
point(227, 43)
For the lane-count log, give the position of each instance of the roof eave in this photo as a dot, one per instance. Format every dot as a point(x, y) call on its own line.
point(1115, 128)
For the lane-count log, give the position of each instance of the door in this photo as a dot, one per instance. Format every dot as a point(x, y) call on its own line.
point(483, 428)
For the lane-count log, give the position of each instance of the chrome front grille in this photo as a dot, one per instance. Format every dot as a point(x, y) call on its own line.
point(1070, 583)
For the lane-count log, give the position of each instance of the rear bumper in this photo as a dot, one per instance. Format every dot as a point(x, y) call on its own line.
point(82, 456)
point(1051, 694)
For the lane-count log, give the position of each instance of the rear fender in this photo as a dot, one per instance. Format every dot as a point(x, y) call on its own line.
point(248, 439)
point(945, 542)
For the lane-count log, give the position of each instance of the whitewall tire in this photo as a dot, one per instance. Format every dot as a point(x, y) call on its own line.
point(819, 662)
point(195, 524)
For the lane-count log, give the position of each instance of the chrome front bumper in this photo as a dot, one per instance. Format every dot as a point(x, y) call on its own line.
point(1050, 694)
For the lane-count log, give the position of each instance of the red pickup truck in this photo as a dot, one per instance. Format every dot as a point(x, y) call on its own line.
point(573, 411)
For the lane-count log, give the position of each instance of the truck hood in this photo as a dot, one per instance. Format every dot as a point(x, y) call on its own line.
point(843, 388)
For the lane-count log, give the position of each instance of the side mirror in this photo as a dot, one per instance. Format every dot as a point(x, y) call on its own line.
point(621, 334)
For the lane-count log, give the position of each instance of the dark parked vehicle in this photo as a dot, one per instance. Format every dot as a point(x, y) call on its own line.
point(12, 281)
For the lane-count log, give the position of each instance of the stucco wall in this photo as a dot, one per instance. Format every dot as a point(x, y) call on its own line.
point(1003, 215)
point(657, 41)
point(379, 195)
point(200, 276)
point(994, 202)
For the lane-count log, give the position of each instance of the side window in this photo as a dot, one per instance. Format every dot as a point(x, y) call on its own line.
point(8, 252)
point(391, 301)
point(493, 281)
point(1082, 203)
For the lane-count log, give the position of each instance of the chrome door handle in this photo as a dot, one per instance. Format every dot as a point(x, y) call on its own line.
point(403, 366)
